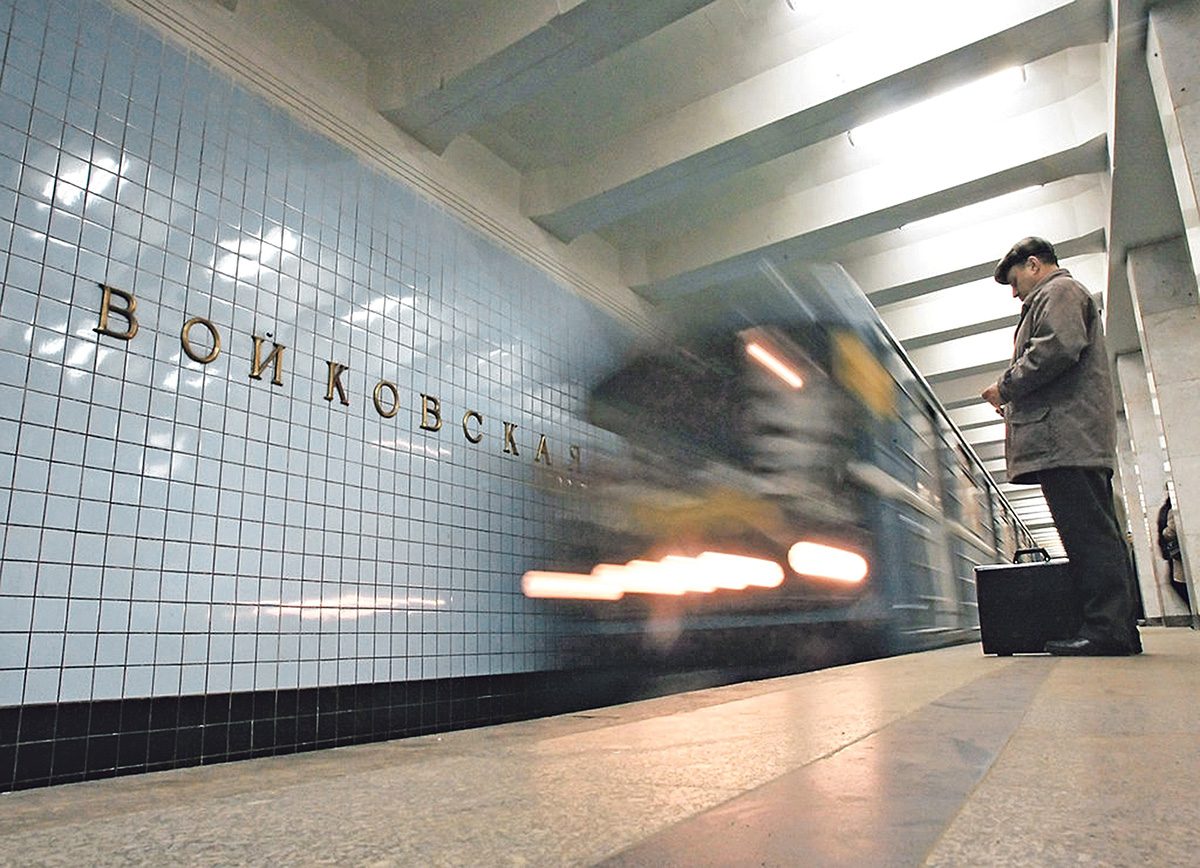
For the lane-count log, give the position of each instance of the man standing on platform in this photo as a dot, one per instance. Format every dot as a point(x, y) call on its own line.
point(1060, 431)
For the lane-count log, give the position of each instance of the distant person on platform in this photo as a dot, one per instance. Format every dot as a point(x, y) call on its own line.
point(1168, 544)
point(1060, 431)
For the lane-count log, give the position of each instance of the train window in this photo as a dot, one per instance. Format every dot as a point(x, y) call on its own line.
point(688, 403)
point(1006, 533)
point(966, 495)
point(802, 429)
point(917, 444)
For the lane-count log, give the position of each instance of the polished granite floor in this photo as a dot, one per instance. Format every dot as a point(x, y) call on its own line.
point(947, 758)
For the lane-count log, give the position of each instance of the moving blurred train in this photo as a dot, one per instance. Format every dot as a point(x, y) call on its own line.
point(784, 486)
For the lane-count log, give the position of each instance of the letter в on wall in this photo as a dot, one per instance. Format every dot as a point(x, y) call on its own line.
point(257, 366)
point(430, 408)
point(106, 307)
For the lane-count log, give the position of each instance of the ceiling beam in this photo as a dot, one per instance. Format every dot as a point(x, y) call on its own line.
point(439, 99)
point(977, 328)
point(718, 253)
point(986, 369)
point(1092, 242)
point(795, 105)
point(964, 390)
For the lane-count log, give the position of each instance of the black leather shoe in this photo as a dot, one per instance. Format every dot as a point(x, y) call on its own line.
point(1082, 647)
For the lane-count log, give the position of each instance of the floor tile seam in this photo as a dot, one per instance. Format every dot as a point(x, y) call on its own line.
point(741, 792)
point(1082, 805)
point(930, 707)
point(902, 717)
point(893, 721)
point(996, 760)
point(896, 719)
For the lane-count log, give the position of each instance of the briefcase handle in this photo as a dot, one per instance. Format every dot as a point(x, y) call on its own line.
point(1019, 553)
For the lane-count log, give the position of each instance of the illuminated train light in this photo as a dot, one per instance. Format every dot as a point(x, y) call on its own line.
point(671, 576)
point(827, 562)
point(569, 586)
point(774, 365)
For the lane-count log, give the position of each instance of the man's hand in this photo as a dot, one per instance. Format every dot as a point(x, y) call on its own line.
point(992, 395)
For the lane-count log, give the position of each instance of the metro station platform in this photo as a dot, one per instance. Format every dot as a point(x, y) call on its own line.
point(945, 758)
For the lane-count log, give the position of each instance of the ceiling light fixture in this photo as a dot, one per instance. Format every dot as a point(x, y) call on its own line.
point(928, 118)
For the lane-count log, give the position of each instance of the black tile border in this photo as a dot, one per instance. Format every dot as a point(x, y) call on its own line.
point(44, 745)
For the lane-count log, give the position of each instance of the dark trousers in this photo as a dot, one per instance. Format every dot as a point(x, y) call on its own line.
point(1081, 503)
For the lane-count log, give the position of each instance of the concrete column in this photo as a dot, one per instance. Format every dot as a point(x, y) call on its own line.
point(1143, 482)
point(1129, 512)
point(1162, 283)
point(1173, 33)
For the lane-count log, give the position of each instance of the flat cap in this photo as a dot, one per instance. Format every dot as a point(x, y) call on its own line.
point(1023, 249)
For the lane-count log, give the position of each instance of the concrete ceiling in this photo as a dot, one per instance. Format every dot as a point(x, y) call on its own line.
point(911, 142)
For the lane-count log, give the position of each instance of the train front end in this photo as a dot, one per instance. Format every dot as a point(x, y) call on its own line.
point(728, 522)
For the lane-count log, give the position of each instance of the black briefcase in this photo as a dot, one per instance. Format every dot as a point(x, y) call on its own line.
point(1023, 605)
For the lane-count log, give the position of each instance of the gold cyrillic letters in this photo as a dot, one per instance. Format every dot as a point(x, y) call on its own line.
point(336, 369)
point(391, 387)
point(256, 367)
point(386, 395)
point(106, 307)
point(510, 445)
point(186, 339)
point(430, 408)
point(471, 414)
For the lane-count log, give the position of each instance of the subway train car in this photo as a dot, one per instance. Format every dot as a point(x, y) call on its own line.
point(785, 488)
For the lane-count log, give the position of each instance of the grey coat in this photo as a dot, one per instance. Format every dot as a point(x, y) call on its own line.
point(1057, 393)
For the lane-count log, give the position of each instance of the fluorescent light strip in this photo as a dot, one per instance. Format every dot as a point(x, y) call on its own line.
point(775, 366)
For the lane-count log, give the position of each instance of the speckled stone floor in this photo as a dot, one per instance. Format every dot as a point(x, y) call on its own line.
point(947, 758)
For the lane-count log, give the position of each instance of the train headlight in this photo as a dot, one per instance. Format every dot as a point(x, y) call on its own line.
point(827, 562)
point(673, 576)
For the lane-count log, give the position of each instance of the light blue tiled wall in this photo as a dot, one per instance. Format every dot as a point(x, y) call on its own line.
point(175, 527)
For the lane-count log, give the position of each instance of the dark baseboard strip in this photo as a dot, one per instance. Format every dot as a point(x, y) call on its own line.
point(42, 745)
